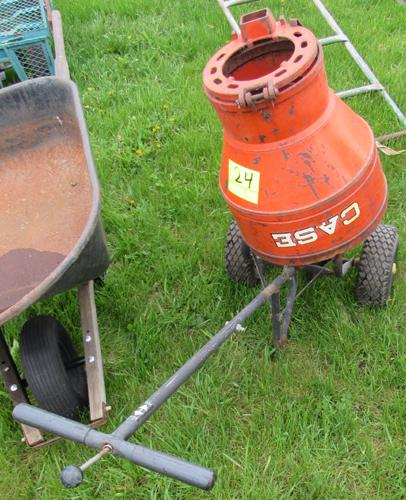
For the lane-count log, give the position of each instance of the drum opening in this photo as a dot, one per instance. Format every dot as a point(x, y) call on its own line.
point(264, 57)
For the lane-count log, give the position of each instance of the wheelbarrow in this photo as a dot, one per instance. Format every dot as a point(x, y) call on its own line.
point(52, 241)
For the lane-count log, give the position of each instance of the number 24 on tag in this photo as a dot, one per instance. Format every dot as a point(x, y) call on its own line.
point(243, 182)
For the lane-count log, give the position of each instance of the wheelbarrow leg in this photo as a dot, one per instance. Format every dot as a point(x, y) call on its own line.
point(93, 356)
point(16, 390)
point(94, 369)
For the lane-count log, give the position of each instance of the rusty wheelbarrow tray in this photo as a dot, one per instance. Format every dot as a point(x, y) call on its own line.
point(52, 238)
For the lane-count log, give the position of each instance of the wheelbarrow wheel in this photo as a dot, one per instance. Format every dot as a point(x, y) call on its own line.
point(377, 266)
point(46, 352)
point(238, 259)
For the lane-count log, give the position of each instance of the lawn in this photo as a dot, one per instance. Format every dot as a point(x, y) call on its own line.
point(325, 418)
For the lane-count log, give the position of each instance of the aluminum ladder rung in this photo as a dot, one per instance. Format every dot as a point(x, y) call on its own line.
point(338, 37)
point(375, 84)
point(360, 90)
point(333, 39)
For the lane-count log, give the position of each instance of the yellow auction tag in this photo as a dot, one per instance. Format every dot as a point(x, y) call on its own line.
point(243, 182)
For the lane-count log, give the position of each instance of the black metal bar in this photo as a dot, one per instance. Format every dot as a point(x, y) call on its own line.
point(338, 265)
point(287, 312)
point(14, 385)
point(260, 269)
point(144, 412)
point(347, 265)
point(317, 269)
point(342, 266)
point(281, 318)
point(276, 319)
point(75, 363)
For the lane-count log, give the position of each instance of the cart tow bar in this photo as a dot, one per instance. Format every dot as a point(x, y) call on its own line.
point(116, 443)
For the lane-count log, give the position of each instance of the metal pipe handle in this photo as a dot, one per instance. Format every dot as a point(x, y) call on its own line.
point(116, 442)
point(165, 464)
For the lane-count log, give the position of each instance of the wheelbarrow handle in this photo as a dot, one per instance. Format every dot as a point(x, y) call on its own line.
point(165, 464)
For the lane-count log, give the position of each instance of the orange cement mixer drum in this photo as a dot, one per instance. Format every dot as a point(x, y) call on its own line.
point(300, 170)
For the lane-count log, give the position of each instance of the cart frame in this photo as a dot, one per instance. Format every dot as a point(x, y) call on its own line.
point(117, 443)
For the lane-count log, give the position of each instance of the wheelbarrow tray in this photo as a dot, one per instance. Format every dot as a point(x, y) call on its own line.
point(52, 239)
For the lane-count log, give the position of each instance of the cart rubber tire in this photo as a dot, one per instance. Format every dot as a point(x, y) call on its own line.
point(377, 265)
point(45, 350)
point(238, 259)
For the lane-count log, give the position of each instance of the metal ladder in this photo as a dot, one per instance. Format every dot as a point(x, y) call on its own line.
point(338, 37)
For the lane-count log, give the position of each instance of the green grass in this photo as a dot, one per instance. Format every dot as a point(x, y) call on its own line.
point(326, 417)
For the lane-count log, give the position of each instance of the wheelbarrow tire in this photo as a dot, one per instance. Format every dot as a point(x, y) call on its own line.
point(238, 258)
point(46, 350)
point(377, 266)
